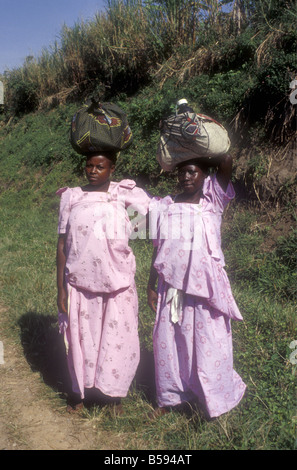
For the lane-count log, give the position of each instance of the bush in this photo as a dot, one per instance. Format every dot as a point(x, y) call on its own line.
point(24, 96)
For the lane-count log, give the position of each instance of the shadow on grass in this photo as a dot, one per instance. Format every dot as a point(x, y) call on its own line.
point(44, 351)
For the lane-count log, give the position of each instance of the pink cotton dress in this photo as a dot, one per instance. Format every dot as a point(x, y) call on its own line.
point(101, 331)
point(192, 334)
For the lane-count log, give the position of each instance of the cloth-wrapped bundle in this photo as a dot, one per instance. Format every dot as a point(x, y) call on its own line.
point(100, 127)
point(188, 135)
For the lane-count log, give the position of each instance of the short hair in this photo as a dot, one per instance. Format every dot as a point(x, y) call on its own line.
point(196, 162)
point(110, 155)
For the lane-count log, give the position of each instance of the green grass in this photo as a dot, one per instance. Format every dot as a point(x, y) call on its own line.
point(266, 417)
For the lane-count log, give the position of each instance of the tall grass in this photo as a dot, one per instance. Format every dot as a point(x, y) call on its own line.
point(133, 43)
point(114, 47)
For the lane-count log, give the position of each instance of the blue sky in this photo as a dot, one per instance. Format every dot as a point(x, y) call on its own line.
point(26, 26)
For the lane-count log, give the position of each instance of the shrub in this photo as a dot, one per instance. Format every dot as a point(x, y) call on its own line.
point(24, 96)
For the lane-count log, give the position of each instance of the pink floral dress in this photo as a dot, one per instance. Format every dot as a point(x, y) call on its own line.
point(101, 331)
point(192, 334)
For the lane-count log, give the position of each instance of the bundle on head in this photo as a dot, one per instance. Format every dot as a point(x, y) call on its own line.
point(100, 127)
point(187, 135)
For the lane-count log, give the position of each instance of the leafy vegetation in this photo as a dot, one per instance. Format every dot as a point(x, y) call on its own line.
point(232, 60)
point(136, 43)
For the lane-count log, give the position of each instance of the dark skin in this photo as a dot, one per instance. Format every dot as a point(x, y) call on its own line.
point(98, 171)
point(191, 176)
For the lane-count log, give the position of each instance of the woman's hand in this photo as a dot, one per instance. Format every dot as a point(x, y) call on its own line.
point(152, 298)
point(61, 262)
point(62, 300)
point(223, 163)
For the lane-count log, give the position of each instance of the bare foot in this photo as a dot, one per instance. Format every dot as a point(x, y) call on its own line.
point(116, 409)
point(75, 408)
point(158, 412)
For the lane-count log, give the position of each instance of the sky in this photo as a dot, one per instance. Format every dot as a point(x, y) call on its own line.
point(28, 26)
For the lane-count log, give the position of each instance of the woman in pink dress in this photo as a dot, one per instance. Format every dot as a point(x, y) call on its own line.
point(193, 303)
point(97, 299)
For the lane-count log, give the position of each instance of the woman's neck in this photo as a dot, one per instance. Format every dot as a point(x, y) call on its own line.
point(91, 188)
point(189, 198)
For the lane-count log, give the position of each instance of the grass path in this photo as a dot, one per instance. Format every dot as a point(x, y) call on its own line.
point(33, 419)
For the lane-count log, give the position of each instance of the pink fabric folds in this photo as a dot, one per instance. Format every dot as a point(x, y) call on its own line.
point(193, 341)
point(103, 341)
point(101, 331)
point(98, 228)
point(194, 358)
point(189, 246)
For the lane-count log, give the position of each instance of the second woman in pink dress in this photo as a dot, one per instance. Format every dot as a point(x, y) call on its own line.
point(193, 303)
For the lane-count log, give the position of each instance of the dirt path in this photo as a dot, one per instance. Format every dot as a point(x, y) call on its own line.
point(29, 419)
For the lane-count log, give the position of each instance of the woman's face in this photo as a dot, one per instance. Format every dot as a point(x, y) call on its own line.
point(98, 171)
point(191, 178)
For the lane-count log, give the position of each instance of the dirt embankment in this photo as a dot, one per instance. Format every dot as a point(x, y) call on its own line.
point(269, 176)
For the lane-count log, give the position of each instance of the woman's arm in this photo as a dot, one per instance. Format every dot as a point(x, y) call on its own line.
point(152, 296)
point(223, 163)
point(224, 172)
point(61, 263)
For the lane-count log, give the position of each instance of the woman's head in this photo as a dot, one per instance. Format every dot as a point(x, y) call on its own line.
point(112, 156)
point(99, 168)
point(191, 175)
